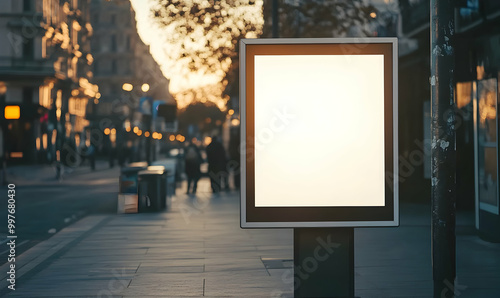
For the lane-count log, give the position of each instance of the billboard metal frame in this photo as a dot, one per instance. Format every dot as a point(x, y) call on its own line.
point(279, 217)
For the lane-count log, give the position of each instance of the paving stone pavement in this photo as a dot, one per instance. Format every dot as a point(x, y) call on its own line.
point(198, 249)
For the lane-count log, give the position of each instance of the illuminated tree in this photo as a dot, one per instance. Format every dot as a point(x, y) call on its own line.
point(206, 33)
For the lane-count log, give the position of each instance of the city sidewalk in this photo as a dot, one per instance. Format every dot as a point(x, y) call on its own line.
point(198, 249)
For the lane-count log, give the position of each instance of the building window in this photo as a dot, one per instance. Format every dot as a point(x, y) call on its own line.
point(28, 49)
point(95, 18)
point(113, 67)
point(127, 43)
point(28, 95)
point(115, 89)
point(113, 43)
point(126, 67)
point(27, 5)
point(96, 67)
point(94, 44)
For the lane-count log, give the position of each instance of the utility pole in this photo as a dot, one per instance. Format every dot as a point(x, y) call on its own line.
point(443, 147)
point(276, 21)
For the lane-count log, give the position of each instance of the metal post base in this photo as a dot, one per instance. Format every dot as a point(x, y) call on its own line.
point(323, 262)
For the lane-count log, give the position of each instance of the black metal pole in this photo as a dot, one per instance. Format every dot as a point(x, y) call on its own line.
point(443, 148)
point(276, 22)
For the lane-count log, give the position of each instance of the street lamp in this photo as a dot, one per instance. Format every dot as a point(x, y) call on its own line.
point(145, 87)
point(127, 87)
point(235, 122)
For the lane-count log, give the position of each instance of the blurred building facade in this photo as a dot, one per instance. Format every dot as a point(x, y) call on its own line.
point(45, 73)
point(477, 72)
point(125, 72)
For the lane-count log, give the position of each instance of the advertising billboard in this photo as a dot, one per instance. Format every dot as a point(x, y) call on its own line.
point(319, 132)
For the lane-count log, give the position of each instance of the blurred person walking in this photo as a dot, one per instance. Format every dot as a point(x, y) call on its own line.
point(91, 155)
point(217, 161)
point(192, 162)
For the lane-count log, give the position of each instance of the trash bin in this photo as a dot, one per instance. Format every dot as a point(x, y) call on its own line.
point(164, 185)
point(127, 196)
point(150, 191)
point(170, 165)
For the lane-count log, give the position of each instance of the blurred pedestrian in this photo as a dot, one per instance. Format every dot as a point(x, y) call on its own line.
point(125, 153)
point(217, 161)
point(112, 155)
point(234, 157)
point(192, 162)
point(91, 155)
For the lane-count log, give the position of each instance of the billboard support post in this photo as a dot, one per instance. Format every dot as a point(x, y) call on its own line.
point(298, 94)
point(323, 262)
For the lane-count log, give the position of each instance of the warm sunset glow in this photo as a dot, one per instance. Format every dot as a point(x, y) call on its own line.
point(463, 94)
point(487, 107)
point(181, 77)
